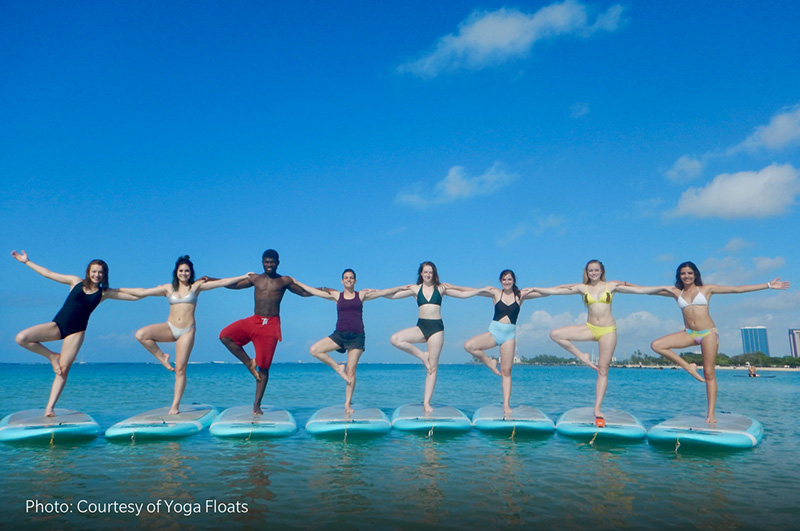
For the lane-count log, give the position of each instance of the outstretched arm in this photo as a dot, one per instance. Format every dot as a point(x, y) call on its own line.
point(58, 277)
point(297, 289)
point(563, 289)
point(119, 295)
point(369, 294)
point(158, 291)
point(664, 291)
point(460, 292)
point(205, 285)
point(775, 283)
point(405, 291)
point(331, 295)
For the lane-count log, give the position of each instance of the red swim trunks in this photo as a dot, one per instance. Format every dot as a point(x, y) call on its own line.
point(264, 332)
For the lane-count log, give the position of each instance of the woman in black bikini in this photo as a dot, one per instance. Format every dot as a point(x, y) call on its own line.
point(430, 328)
point(70, 323)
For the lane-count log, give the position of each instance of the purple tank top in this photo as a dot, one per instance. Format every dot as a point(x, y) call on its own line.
point(350, 314)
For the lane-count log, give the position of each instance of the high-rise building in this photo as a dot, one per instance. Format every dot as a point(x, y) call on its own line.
point(754, 339)
point(794, 342)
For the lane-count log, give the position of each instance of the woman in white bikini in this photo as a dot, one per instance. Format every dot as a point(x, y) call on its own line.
point(180, 325)
point(692, 297)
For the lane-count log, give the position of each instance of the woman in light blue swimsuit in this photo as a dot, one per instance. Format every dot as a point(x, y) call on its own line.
point(692, 297)
point(502, 330)
point(180, 325)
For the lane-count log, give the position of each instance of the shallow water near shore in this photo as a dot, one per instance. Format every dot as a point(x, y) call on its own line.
point(399, 480)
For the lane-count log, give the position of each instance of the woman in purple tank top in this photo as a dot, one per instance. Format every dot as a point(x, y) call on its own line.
point(349, 334)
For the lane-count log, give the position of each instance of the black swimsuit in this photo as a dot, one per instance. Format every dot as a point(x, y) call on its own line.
point(73, 317)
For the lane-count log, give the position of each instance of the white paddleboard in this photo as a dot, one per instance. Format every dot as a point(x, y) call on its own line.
point(334, 419)
point(412, 417)
point(32, 425)
point(580, 423)
point(240, 421)
point(730, 430)
point(157, 424)
point(522, 419)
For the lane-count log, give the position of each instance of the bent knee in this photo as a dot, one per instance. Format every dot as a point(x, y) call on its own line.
point(395, 340)
point(22, 339)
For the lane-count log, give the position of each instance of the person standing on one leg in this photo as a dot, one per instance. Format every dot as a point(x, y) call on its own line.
point(263, 328)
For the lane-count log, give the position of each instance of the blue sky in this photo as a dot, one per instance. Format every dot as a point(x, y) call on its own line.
point(375, 135)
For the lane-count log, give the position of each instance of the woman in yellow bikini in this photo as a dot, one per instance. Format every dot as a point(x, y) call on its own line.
point(597, 294)
point(692, 297)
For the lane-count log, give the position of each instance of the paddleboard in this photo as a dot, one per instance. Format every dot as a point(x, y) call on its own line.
point(334, 419)
point(580, 422)
point(412, 417)
point(240, 421)
point(32, 425)
point(157, 424)
point(731, 430)
point(522, 419)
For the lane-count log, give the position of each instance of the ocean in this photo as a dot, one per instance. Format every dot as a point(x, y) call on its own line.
point(399, 480)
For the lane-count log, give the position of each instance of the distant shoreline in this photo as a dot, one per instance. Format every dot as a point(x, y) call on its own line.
point(616, 366)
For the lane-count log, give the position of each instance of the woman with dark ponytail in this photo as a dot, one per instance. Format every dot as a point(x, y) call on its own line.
point(180, 326)
point(502, 330)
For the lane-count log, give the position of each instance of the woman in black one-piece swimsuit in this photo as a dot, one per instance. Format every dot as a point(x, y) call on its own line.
point(70, 323)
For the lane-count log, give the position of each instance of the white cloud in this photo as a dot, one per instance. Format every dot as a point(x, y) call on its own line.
point(579, 110)
point(685, 168)
point(731, 271)
point(514, 234)
point(490, 38)
point(735, 244)
point(782, 131)
point(766, 193)
point(547, 223)
point(458, 185)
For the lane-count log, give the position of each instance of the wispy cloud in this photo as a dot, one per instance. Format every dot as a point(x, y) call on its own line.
point(686, 168)
point(541, 224)
point(579, 110)
point(782, 132)
point(735, 244)
point(733, 271)
point(762, 194)
point(490, 38)
point(458, 185)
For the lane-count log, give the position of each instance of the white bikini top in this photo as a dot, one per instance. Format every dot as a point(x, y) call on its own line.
point(699, 300)
point(190, 298)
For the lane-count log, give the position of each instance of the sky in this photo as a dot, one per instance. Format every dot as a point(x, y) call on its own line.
point(533, 136)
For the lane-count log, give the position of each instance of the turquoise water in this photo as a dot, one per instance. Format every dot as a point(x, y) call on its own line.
point(401, 480)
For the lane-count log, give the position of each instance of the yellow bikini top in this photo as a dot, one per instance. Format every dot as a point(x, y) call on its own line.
point(605, 298)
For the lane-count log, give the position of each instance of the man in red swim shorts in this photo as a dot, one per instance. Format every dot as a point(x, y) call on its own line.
point(263, 329)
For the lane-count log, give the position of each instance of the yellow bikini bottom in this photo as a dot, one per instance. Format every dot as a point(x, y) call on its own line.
point(600, 331)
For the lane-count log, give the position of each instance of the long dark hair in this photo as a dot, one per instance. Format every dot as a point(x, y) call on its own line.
point(87, 281)
point(182, 260)
point(698, 280)
point(514, 288)
point(435, 273)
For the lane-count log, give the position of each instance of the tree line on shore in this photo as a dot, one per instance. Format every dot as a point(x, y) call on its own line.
point(759, 359)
